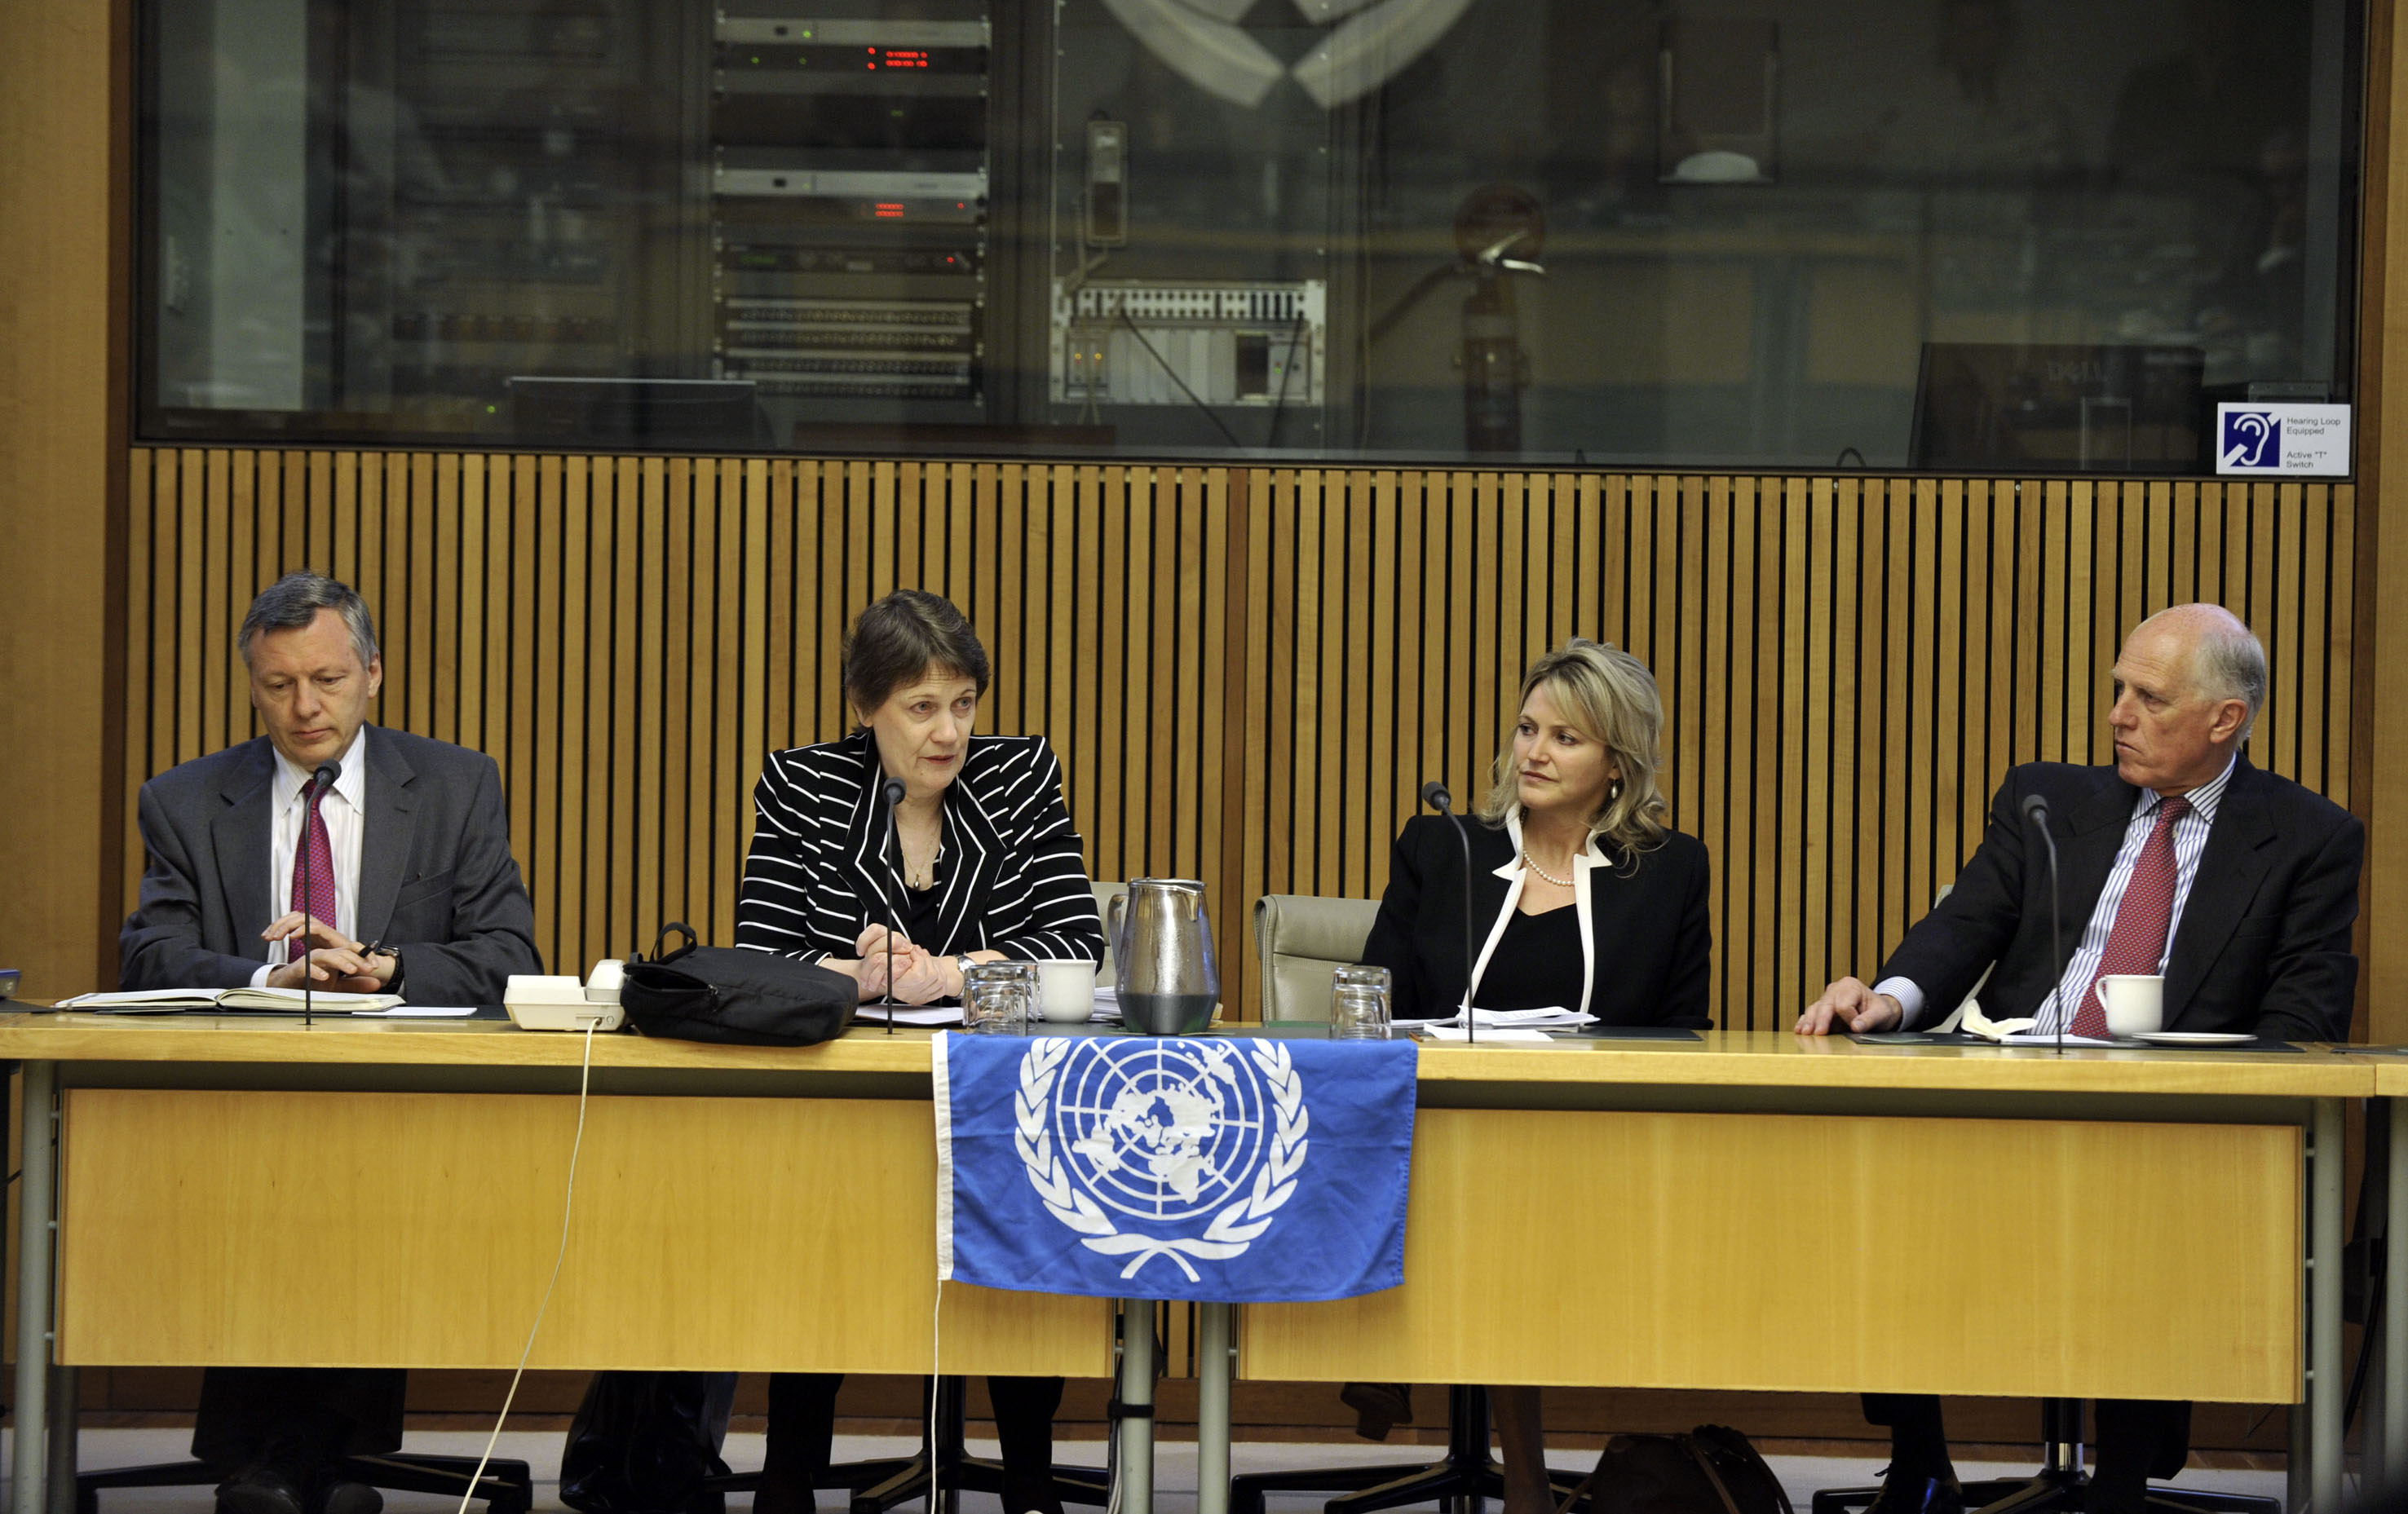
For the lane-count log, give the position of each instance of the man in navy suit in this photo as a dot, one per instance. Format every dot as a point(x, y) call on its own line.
point(398, 879)
point(2180, 860)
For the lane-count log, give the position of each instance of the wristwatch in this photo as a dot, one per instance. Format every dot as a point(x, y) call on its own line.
point(378, 949)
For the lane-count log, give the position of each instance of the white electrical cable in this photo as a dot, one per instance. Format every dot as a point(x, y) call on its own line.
point(567, 1203)
point(936, 1384)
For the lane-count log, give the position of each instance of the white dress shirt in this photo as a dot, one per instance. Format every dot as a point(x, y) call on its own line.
point(344, 808)
point(2190, 841)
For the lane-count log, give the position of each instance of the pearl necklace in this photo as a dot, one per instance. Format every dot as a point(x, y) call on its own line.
point(1532, 862)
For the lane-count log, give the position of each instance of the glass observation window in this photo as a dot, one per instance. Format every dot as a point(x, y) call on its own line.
point(1947, 235)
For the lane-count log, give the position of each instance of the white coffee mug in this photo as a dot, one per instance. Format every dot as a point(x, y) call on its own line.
point(1065, 991)
point(2135, 1003)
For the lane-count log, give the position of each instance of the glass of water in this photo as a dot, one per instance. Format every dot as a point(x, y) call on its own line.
point(998, 998)
point(1358, 1004)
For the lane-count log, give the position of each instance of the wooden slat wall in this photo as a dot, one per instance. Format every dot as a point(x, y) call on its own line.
point(628, 636)
point(1848, 664)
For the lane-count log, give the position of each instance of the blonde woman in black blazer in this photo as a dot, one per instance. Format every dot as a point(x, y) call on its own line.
point(987, 869)
point(1581, 896)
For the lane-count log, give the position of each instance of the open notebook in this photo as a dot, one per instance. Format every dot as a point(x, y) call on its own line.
point(256, 1000)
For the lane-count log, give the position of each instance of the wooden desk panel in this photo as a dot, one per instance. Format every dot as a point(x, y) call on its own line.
point(1779, 1059)
point(331, 1229)
point(1743, 1244)
point(1780, 1251)
point(1720, 1060)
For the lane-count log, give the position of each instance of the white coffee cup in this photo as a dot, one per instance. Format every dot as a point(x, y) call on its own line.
point(1065, 991)
point(2135, 1003)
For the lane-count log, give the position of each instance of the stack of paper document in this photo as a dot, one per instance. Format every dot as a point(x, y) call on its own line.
point(1554, 1018)
point(270, 1001)
point(935, 1016)
point(931, 1014)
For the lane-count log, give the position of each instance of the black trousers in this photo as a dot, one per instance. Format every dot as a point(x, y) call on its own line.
point(802, 1422)
point(302, 1418)
point(2136, 1439)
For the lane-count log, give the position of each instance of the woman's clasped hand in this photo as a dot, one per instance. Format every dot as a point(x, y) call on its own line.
point(919, 976)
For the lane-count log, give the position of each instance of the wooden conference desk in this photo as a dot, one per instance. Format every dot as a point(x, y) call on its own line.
point(1752, 1210)
point(1767, 1211)
point(247, 1190)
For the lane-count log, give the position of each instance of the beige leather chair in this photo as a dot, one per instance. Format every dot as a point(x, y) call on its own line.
point(1104, 893)
point(1300, 938)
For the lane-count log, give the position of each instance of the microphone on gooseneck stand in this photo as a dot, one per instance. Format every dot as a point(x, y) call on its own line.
point(319, 782)
point(1435, 795)
point(893, 792)
point(2036, 811)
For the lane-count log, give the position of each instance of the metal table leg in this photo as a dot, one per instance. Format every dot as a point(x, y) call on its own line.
point(1136, 1391)
point(1213, 1409)
point(2371, 1472)
point(2328, 1373)
point(66, 1381)
point(2392, 1430)
point(2296, 1468)
point(36, 1211)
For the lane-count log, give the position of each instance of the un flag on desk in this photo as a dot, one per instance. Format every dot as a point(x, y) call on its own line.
point(1223, 1170)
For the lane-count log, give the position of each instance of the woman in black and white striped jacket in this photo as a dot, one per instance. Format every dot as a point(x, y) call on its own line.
point(990, 868)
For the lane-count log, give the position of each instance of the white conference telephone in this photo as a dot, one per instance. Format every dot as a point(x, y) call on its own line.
point(547, 1003)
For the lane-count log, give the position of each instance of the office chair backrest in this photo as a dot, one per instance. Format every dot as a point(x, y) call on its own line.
point(1103, 895)
point(1300, 938)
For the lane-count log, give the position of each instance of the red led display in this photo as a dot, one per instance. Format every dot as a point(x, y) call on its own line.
point(887, 210)
point(897, 57)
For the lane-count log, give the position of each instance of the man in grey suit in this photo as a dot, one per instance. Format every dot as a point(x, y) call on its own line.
point(397, 880)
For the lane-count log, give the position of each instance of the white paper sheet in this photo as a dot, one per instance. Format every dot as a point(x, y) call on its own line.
point(1551, 1018)
point(930, 1015)
point(1490, 1035)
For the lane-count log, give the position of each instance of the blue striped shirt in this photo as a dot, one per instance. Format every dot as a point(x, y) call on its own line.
point(2190, 840)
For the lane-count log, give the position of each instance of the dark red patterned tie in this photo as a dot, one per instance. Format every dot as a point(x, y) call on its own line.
point(316, 898)
point(2137, 941)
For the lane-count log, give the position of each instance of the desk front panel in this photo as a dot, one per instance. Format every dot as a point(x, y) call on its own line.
point(2019, 1257)
point(418, 1230)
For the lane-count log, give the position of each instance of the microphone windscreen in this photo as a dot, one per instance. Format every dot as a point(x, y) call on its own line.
point(2036, 808)
point(326, 775)
point(1435, 795)
point(893, 793)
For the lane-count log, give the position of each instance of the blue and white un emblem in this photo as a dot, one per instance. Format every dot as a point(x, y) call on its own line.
point(1167, 1147)
point(2250, 439)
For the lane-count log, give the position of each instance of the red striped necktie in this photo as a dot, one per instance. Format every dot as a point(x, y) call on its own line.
point(314, 897)
point(2137, 941)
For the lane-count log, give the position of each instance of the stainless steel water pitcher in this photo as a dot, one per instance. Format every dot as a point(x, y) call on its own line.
point(1162, 954)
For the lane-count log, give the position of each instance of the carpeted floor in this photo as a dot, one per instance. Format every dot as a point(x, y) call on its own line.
point(1174, 1477)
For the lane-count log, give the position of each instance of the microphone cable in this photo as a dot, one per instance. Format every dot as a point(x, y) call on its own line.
point(1435, 795)
point(936, 1382)
point(568, 1206)
point(893, 792)
point(325, 777)
point(2036, 812)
